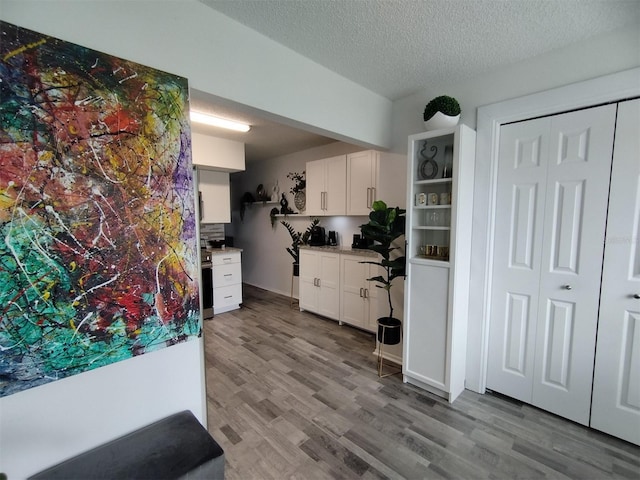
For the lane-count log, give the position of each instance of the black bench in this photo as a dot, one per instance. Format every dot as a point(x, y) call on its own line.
point(176, 447)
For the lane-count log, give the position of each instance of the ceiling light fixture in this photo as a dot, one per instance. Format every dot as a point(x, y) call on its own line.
point(207, 119)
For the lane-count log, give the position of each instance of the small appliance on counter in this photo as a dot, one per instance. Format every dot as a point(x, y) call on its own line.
point(317, 237)
point(333, 239)
point(360, 242)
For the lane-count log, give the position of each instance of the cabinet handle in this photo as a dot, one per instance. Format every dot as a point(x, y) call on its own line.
point(366, 293)
point(318, 282)
point(201, 205)
point(636, 295)
point(324, 200)
point(361, 289)
point(368, 197)
point(229, 296)
point(567, 287)
point(373, 195)
point(228, 274)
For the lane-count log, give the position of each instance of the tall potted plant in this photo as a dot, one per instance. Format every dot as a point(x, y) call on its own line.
point(386, 224)
point(297, 239)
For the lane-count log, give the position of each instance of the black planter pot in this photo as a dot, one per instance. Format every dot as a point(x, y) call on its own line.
point(389, 330)
point(296, 269)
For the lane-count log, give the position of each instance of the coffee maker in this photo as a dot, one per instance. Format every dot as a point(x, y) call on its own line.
point(317, 237)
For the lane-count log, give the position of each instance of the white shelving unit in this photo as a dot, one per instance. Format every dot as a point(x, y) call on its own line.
point(439, 206)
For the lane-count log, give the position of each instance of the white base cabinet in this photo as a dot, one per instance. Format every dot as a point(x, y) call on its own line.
point(439, 207)
point(358, 297)
point(227, 281)
point(320, 283)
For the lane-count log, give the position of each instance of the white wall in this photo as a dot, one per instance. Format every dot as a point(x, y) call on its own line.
point(615, 52)
point(265, 262)
point(591, 58)
point(45, 425)
point(219, 56)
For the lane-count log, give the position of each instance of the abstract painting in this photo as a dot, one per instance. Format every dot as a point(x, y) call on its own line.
point(98, 252)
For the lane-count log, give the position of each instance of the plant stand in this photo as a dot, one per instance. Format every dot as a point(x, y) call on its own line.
point(295, 272)
point(389, 333)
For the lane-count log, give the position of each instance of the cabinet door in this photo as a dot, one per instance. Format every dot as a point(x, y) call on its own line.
point(426, 336)
point(329, 285)
point(377, 303)
point(215, 204)
point(315, 174)
point(335, 202)
point(362, 173)
point(308, 275)
point(353, 302)
point(616, 382)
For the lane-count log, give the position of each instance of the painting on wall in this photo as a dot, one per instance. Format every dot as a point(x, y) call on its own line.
point(98, 248)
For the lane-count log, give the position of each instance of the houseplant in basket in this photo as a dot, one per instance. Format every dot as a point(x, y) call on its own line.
point(441, 112)
point(386, 224)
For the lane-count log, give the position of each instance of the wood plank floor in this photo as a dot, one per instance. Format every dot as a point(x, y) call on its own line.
point(294, 396)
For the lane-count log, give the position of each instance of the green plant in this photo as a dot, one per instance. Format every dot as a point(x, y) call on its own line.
point(300, 182)
point(445, 104)
point(386, 224)
point(298, 238)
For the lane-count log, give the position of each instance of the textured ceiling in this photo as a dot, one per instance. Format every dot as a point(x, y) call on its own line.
point(397, 47)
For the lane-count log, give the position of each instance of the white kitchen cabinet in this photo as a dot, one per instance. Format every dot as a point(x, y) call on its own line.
point(319, 282)
point(358, 297)
point(439, 206)
point(214, 196)
point(218, 154)
point(227, 280)
point(362, 181)
point(326, 186)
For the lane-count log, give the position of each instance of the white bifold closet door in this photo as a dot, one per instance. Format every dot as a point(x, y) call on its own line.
point(616, 383)
point(553, 186)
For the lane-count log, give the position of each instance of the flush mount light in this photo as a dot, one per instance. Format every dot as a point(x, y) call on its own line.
point(207, 119)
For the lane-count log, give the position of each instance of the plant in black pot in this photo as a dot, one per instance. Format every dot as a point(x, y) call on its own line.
point(386, 224)
point(297, 239)
point(441, 112)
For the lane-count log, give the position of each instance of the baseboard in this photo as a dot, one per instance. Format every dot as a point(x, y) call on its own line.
point(388, 356)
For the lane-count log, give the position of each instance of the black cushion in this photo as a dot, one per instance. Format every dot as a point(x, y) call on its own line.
point(167, 449)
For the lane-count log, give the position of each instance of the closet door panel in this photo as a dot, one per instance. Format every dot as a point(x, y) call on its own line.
point(517, 255)
point(616, 384)
point(581, 145)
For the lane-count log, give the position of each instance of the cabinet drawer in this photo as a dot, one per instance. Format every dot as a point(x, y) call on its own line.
point(225, 259)
point(226, 296)
point(224, 275)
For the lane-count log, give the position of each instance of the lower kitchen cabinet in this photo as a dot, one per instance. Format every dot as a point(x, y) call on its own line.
point(358, 296)
point(227, 280)
point(319, 282)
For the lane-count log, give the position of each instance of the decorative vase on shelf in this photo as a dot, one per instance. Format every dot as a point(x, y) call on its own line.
point(440, 120)
point(300, 200)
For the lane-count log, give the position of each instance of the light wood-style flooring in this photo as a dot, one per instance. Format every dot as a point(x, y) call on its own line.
point(294, 396)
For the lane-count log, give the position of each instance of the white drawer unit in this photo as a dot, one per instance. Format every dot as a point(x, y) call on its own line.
point(227, 281)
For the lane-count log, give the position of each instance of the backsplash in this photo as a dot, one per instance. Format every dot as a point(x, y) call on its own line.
point(211, 232)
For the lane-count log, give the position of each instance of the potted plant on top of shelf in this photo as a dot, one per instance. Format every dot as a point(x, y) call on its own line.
point(441, 112)
point(386, 224)
point(298, 189)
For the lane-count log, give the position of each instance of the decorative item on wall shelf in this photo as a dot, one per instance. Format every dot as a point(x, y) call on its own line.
point(284, 206)
point(441, 112)
point(272, 216)
point(297, 239)
point(247, 199)
point(298, 189)
point(262, 194)
point(275, 192)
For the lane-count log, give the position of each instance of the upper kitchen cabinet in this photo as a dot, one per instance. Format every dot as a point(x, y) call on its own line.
point(213, 153)
point(372, 176)
point(327, 186)
point(214, 195)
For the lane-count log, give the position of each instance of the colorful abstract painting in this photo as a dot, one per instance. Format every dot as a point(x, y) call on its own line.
point(98, 259)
